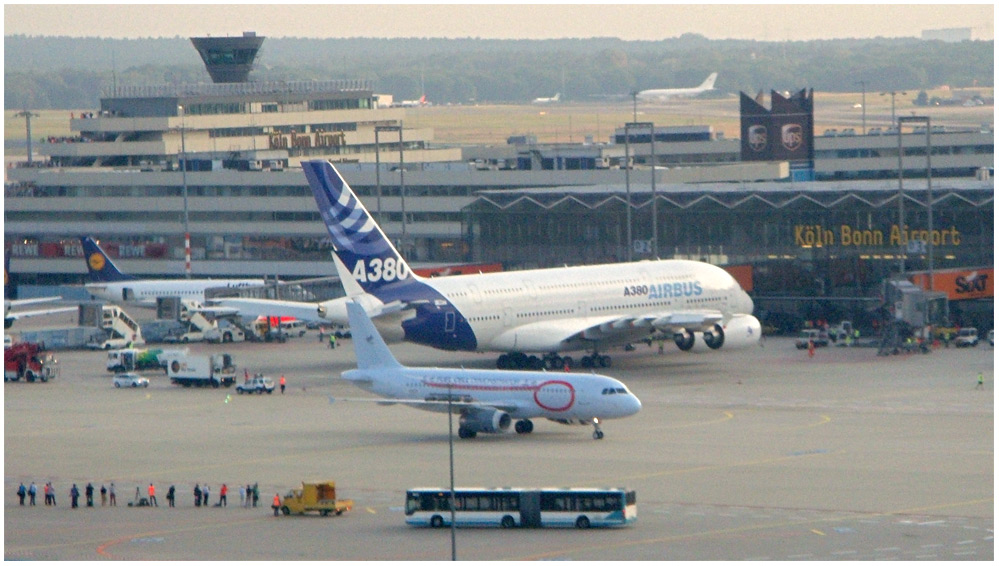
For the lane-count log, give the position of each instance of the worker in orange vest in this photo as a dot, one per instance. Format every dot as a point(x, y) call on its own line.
point(277, 504)
point(152, 496)
point(282, 384)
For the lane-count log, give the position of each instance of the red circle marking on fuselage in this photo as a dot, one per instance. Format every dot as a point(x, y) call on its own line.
point(566, 407)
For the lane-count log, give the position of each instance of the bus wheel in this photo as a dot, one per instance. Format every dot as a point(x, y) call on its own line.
point(507, 522)
point(436, 521)
point(582, 522)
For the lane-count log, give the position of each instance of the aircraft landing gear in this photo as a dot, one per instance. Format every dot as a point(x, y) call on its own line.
point(524, 426)
point(597, 433)
point(595, 360)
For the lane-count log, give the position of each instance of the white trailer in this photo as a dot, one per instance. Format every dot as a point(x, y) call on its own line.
point(202, 370)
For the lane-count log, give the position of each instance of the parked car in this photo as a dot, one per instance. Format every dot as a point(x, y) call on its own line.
point(966, 338)
point(992, 337)
point(256, 384)
point(818, 338)
point(130, 380)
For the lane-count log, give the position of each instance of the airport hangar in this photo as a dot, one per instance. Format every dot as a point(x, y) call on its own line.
point(251, 211)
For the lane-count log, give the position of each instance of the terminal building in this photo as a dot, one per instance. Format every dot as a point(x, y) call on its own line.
point(234, 147)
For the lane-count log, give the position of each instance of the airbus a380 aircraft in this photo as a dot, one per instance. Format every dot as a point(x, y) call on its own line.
point(541, 311)
point(110, 284)
point(487, 400)
point(663, 94)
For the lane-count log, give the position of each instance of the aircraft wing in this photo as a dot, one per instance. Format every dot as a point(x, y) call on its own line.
point(247, 307)
point(14, 303)
point(550, 335)
point(463, 402)
point(10, 317)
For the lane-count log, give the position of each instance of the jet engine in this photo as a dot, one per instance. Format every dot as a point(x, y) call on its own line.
point(490, 421)
point(741, 331)
point(715, 338)
point(684, 340)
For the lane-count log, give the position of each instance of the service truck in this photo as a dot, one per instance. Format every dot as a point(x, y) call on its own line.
point(138, 359)
point(315, 496)
point(28, 361)
point(202, 370)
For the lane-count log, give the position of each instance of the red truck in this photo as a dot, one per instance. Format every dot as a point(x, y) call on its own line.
point(28, 361)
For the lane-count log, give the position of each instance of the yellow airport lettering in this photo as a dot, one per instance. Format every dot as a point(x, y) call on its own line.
point(851, 237)
point(813, 236)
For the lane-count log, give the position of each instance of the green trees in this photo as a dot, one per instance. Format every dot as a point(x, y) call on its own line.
point(61, 72)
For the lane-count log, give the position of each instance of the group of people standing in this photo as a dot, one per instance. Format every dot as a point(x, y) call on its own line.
point(249, 495)
point(74, 494)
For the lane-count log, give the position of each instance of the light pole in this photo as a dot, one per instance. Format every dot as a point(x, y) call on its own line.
point(634, 106)
point(183, 174)
point(863, 106)
point(892, 93)
point(652, 158)
point(627, 189)
point(929, 192)
point(901, 199)
point(450, 447)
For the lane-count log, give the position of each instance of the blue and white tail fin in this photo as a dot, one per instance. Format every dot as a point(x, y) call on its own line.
point(100, 268)
point(369, 347)
point(358, 241)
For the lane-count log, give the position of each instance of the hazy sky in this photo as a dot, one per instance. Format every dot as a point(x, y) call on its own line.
point(771, 22)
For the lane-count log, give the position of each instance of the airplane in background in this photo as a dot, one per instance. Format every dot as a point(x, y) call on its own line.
point(488, 401)
point(556, 98)
point(110, 284)
point(412, 103)
point(9, 304)
point(541, 311)
point(663, 94)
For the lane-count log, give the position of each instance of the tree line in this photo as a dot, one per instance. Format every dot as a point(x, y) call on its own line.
point(67, 73)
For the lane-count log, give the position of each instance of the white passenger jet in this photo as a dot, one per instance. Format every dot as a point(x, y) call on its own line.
point(412, 103)
point(110, 284)
point(540, 311)
point(556, 98)
point(663, 94)
point(487, 400)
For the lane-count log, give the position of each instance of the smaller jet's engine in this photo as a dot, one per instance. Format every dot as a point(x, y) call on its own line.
point(486, 421)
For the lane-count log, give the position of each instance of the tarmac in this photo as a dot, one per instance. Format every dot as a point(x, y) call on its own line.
point(758, 454)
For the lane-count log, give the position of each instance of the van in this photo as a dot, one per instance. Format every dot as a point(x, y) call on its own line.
point(967, 337)
point(293, 327)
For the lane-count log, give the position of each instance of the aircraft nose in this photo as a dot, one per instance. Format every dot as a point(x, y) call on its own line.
point(633, 405)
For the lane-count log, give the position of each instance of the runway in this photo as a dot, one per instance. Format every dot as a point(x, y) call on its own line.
point(754, 454)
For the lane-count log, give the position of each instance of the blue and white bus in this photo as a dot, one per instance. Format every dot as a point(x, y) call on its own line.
point(521, 507)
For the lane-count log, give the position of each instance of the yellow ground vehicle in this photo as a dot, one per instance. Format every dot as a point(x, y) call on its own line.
point(316, 496)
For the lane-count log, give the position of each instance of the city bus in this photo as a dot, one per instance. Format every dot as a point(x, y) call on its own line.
point(521, 507)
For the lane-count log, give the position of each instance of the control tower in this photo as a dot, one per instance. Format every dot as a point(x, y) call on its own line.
point(229, 59)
